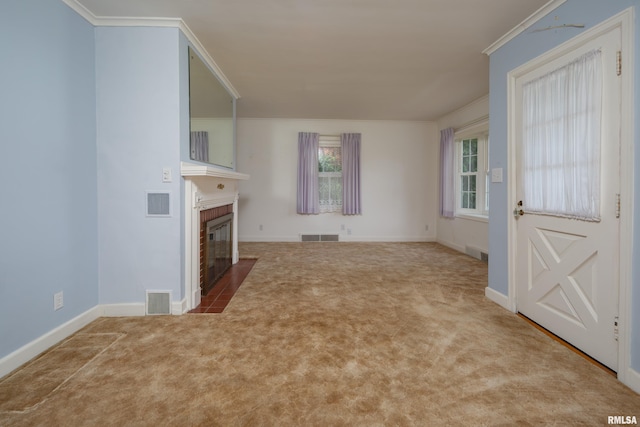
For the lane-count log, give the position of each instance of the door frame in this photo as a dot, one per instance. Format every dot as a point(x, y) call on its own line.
point(623, 20)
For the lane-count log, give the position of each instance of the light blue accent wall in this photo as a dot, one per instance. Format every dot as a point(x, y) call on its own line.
point(138, 134)
point(48, 201)
point(518, 51)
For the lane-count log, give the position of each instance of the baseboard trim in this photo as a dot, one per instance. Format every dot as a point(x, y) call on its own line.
point(342, 238)
point(179, 307)
point(451, 245)
point(631, 379)
point(19, 357)
point(123, 310)
point(495, 296)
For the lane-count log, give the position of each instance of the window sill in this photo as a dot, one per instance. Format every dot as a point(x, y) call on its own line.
point(473, 217)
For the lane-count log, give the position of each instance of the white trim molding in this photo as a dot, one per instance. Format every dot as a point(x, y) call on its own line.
point(116, 21)
point(130, 309)
point(28, 351)
point(631, 379)
point(500, 299)
point(523, 26)
point(193, 169)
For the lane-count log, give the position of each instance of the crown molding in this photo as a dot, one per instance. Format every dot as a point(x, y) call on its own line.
point(520, 28)
point(114, 21)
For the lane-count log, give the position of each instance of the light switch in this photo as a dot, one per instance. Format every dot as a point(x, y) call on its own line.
point(496, 175)
point(166, 174)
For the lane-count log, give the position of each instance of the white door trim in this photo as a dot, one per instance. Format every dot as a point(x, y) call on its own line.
point(624, 20)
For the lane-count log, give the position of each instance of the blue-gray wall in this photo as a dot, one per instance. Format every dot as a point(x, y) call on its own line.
point(518, 51)
point(138, 111)
point(48, 201)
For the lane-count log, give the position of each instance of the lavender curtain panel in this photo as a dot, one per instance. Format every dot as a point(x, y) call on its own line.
point(447, 173)
point(351, 204)
point(200, 146)
point(308, 196)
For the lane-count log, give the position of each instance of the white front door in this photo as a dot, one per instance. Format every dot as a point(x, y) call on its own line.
point(567, 270)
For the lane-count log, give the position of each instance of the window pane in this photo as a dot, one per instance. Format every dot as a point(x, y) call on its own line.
point(324, 186)
point(472, 200)
point(336, 190)
point(465, 183)
point(473, 146)
point(473, 166)
point(472, 183)
point(465, 148)
point(465, 164)
point(329, 159)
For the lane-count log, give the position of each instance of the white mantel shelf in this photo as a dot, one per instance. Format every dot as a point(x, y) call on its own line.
point(192, 169)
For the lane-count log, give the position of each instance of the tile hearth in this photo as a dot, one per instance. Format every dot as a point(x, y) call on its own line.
point(224, 289)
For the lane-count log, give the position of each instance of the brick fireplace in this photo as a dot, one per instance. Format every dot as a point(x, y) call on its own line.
point(209, 193)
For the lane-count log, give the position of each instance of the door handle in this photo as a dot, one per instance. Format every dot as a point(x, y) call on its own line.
point(518, 212)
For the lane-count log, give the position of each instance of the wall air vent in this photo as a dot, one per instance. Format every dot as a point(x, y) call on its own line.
point(158, 302)
point(319, 237)
point(158, 204)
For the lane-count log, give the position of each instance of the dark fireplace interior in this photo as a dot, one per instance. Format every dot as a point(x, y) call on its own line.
point(215, 245)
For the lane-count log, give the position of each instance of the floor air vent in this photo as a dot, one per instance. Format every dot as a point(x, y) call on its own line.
point(319, 237)
point(158, 302)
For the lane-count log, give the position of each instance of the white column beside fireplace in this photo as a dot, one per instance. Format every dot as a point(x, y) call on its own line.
point(205, 187)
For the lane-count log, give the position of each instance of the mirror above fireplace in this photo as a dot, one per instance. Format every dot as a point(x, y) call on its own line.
point(212, 116)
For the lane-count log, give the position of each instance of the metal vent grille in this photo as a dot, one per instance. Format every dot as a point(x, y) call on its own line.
point(158, 302)
point(319, 237)
point(158, 204)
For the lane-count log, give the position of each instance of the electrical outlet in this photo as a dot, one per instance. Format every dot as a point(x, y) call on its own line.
point(342, 227)
point(426, 227)
point(58, 301)
point(260, 227)
point(349, 231)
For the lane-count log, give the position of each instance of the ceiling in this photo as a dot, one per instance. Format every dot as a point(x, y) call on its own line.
point(343, 59)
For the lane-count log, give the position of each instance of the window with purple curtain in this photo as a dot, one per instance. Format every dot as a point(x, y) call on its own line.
point(200, 146)
point(308, 196)
point(447, 173)
point(351, 203)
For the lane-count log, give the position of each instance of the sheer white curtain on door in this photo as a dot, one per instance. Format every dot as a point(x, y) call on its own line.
point(561, 118)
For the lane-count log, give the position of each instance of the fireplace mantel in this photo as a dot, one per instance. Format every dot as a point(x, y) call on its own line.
point(205, 187)
point(192, 169)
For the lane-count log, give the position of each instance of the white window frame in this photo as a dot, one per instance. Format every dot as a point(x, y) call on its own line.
point(482, 175)
point(334, 142)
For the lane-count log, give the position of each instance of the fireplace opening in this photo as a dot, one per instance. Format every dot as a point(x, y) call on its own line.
point(217, 250)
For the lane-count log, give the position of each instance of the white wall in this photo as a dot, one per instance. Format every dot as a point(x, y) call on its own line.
point(458, 233)
point(399, 163)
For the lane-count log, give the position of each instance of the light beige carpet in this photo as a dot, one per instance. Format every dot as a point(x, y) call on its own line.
point(323, 334)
